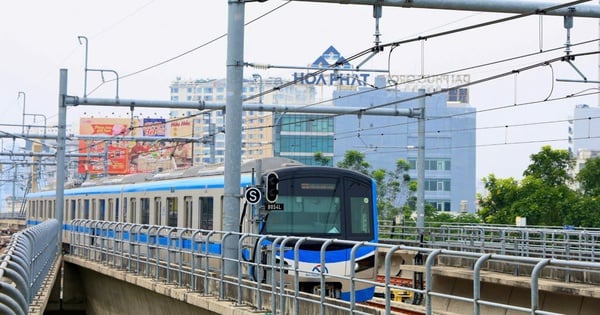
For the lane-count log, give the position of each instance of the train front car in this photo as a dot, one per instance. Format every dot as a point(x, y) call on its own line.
point(327, 203)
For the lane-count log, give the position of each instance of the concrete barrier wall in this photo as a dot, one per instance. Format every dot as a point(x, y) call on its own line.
point(109, 292)
point(506, 294)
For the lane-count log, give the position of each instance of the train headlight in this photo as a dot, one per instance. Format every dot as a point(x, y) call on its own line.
point(364, 264)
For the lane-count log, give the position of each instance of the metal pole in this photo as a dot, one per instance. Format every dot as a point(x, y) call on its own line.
point(233, 134)
point(24, 100)
point(421, 167)
point(500, 6)
point(14, 193)
point(60, 151)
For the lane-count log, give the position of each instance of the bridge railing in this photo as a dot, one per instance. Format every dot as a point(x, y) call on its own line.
point(194, 259)
point(541, 242)
point(24, 265)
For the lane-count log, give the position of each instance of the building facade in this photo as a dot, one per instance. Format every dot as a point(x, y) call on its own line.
point(584, 129)
point(450, 180)
point(450, 156)
point(264, 134)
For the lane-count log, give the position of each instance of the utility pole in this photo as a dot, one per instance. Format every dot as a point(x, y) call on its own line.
point(421, 166)
point(233, 134)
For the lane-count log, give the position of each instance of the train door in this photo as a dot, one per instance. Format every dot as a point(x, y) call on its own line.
point(117, 208)
point(101, 209)
point(172, 209)
point(94, 214)
point(145, 210)
point(111, 210)
point(125, 206)
point(86, 209)
point(187, 213)
point(132, 211)
point(79, 212)
point(205, 213)
point(72, 209)
point(156, 218)
point(51, 208)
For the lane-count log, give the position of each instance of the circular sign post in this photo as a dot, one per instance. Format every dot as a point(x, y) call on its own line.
point(253, 195)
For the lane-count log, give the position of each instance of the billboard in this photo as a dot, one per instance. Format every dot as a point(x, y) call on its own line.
point(134, 156)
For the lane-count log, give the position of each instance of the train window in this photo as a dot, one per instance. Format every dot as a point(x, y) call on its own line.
point(145, 206)
point(117, 208)
point(72, 210)
point(101, 209)
point(157, 210)
point(312, 206)
point(205, 211)
point(172, 211)
point(359, 211)
point(132, 209)
point(187, 219)
point(145, 210)
point(86, 209)
point(360, 218)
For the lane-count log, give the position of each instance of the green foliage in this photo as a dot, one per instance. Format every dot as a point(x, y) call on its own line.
point(551, 165)
point(321, 159)
point(544, 195)
point(355, 160)
point(589, 177)
point(392, 186)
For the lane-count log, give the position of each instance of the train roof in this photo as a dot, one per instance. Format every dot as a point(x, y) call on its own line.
point(202, 176)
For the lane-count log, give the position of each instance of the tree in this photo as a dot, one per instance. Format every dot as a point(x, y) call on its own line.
point(393, 188)
point(496, 206)
point(551, 166)
point(321, 158)
point(589, 177)
point(355, 160)
point(543, 196)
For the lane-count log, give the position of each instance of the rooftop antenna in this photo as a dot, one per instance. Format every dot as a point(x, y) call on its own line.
point(568, 23)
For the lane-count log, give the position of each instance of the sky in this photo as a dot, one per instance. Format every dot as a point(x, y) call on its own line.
point(37, 38)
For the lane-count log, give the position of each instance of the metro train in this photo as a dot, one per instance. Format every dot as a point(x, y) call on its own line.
point(308, 201)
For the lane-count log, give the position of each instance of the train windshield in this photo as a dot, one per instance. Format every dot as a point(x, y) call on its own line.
point(331, 207)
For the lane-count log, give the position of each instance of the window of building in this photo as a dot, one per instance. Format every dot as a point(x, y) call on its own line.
point(437, 184)
point(432, 164)
point(440, 205)
point(458, 95)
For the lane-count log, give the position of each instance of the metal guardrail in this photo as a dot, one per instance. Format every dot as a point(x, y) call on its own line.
point(12, 216)
point(24, 266)
point(541, 242)
point(160, 255)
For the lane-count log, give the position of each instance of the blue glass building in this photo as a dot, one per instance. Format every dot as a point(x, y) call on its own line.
point(450, 178)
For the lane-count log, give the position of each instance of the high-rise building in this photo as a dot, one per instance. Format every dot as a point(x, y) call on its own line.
point(584, 129)
point(450, 179)
point(264, 134)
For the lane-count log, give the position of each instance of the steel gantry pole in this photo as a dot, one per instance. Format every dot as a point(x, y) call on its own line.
point(61, 142)
point(498, 6)
point(233, 130)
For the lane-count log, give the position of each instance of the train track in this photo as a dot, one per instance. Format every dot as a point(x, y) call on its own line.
point(395, 308)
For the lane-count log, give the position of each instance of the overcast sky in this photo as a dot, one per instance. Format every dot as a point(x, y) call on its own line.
point(37, 38)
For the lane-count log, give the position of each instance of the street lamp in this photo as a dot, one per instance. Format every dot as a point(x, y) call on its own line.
point(258, 78)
